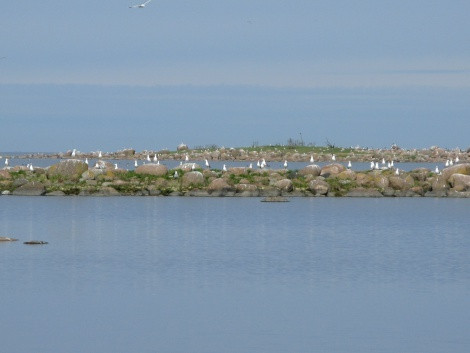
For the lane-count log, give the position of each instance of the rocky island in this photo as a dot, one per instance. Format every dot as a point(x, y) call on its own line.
point(73, 176)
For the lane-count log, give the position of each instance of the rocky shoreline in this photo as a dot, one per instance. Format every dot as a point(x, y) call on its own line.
point(75, 177)
point(274, 153)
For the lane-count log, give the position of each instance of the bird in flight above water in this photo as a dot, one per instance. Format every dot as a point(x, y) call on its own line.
point(141, 5)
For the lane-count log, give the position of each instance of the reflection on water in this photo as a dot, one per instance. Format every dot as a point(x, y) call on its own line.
point(235, 275)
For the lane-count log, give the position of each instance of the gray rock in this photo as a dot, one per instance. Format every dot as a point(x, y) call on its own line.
point(192, 179)
point(152, 169)
point(311, 169)
point(107, 191)
point(460, 182)
point(56, 193)
point(70, 168)
point(285, 185)
point(219, 185)
point(275, 199)
point(436, 193)
point(318, 187)
point(332, 169)
point(33, 188)
point(361, 192)
point(463, 194)
point(463, 168)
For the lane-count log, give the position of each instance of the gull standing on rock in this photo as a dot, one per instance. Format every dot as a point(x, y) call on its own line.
point(99, 155)
point(224, 168)
point(285, 164)
point(86, 161)
point(7, 162)
point(207, 163)
point(155, 158)
point(437, 170)
point(135, 163)
point(333, 157)
point(311, 159)
point(349, 165)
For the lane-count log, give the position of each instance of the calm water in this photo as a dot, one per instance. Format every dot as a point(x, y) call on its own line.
point(218, 275)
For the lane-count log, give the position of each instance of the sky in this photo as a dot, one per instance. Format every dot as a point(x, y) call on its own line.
point(98, 75)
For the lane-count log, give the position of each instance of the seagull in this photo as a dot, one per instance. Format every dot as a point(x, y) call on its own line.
point(377, 165)
point(86, 160)
point(186, 158)
point(457, 159)
point(31, 167)
point(311, 159)
point(100, 155)
point(451, 162)
point(333, 158)
point(148, 158)
point(6, 162)
point(349, 165)
point(258, 164)
point(437, 170)
point(285, 164)
point(155, 158)
point(115, 166)
point(250, 166)
point(74, 152)
point(224, 168)
point(135, 163)
point(447, 163)
point(397, 171)
point(372, 166)
point(175, 175)
point(207, 163)
point(140, 5)
point(383, 160)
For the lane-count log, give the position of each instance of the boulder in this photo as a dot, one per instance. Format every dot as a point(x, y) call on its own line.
point(399, 183)
point(332, 169)
point(56, 193)
point(237, 170)
point(347, 174)
point(152, 169)
point(70, 169)
point(318, 187)
point(311, 169)
point(363, 179)
point(381, 181)
point(439, 183)
point(362, 192)
point(107, 191)
point(219, 185)
point(33, 188)
point(460, 182)
point(456, 169)
point(420, 174)
point(192, 179)
point(285, 185)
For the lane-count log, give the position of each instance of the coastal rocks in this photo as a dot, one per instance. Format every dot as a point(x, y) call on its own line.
point(311, 169)
point(247, 190)
point(399, 183)
point(237, 170)
point(152, 169)
point(107, 191)
point(381, 181)
point(318, 187)
point(456, 169)
point(103, 165)
point(126, 153)
point(347, 174)
point(332, 169)
point(33, 188)
point(362, 192)
point(275, 199)
point(192, 179)
point(460, 182)
point(70, 168)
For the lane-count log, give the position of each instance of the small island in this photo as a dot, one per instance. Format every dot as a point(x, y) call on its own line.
point(72, 174)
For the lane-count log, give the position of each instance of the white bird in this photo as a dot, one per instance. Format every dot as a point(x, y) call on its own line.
point(99, 155)
point(258, 164)
point(437, 170)
point(451, 162)
point(74, 152)
point(140, 5)
point(377, 165)
point(135, 163)
point(333, 158)
point(193, 166)
point(349, 165)
point(447, 163)
point(457, 159)
point(148, 158)
point(224, 168)
point(86, 161)
point(285, 164)
point(250, 166)
point(31, 167)
point(383, 160)
point(397, 171)
point(186, 158)
point(7, 162)
point(175, 175)
point(207, 163)
point(155, 158)
point(372, 165)
point(115, 166)
point(391, 163)
point(311, 159)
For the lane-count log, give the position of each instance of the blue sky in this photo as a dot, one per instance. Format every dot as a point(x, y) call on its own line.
point(98, 75)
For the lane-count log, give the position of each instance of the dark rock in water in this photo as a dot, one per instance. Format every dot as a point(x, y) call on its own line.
point(35, 242)
point(7, 239)
point(361, 192)
point(275, 199)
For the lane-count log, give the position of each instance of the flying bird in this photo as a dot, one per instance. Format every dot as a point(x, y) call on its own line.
point(141, 5)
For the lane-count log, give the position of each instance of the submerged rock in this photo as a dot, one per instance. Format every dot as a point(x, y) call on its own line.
point(35, 242)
